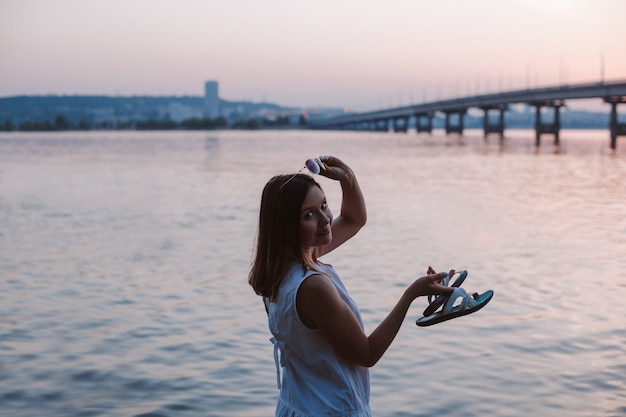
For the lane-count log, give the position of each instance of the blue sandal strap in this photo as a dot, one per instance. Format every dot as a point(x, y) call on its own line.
point(441, 299)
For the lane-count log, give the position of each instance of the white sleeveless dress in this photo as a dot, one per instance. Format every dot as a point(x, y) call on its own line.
point(315, 381)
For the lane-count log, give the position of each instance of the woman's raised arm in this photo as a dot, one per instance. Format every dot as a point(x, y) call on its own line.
point(353, 214)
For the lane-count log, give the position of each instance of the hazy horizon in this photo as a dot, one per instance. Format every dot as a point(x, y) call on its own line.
point(358, 55)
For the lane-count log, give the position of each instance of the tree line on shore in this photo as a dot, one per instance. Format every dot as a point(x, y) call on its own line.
point(62, 123)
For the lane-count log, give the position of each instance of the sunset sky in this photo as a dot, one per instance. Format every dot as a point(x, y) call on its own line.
point(356, 54)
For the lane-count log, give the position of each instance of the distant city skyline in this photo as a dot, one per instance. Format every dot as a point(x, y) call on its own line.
point(357, 55)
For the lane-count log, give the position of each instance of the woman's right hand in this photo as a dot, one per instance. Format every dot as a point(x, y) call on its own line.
point(430, 285)
point(430, 270)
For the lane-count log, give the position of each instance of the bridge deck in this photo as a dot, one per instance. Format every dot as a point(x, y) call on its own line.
point(530, 96)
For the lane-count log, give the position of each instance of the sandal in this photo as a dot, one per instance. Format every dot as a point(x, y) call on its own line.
point(440, 299)
point(470, 303)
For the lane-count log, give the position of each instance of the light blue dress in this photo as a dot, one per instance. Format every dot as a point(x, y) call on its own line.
point(315, 381)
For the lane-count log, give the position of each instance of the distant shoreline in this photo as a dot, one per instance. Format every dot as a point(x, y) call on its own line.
point(66, 113)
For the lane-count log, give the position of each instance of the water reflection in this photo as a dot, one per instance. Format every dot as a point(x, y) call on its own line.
point(125, 266)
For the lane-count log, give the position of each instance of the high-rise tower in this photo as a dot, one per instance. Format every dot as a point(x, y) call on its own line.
point(211, 100)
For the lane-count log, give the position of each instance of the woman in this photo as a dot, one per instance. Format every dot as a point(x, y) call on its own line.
point(316, 326)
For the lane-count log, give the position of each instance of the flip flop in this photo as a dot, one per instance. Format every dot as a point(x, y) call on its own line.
point(470, 304)
point(440, 299)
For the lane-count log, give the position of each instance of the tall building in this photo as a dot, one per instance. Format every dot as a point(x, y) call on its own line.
point(211, 100)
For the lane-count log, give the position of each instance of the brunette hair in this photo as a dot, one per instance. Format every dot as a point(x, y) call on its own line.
point(278, 236)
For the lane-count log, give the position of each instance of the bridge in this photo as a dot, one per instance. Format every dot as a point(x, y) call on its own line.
point(613, 93)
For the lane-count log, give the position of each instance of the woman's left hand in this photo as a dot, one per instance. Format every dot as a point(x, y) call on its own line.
point(353, 213)
point(334, 168)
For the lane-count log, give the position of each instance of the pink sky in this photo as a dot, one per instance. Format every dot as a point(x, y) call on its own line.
point(358, 54)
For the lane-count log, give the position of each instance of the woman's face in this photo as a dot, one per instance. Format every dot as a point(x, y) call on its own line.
point(315, 220)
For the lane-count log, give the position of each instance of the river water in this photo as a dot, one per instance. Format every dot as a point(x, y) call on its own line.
point(124, 259)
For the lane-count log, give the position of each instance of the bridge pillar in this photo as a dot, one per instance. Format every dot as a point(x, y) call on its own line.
point(400, 127)
point(550, 128)
point(382, 125)
point(617, 129)
point(455, 128)
point(428, 127)
point(498, 127)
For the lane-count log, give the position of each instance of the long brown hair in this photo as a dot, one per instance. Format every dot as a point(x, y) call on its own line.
point(278, 236)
